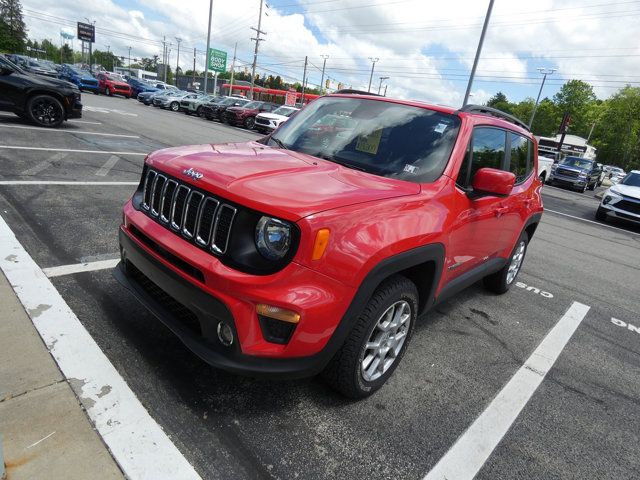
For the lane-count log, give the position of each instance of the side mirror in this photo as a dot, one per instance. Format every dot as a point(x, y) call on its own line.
point(490, 181)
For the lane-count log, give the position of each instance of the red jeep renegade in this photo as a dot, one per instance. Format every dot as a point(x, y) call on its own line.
point(299, 254)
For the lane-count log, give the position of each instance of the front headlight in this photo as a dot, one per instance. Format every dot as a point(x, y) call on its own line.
point(583, 174)
point(273, 238)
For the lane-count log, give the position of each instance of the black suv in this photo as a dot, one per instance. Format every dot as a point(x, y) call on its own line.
point(44, 101)
point(576, 172)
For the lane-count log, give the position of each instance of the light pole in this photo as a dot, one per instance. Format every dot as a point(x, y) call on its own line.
point(324, 64)
point(374, 61)
point(206, 55)
point(380, 86)
point(178, 39)
point(475, 61)
point(544, 72)
point(109, 56)
point(129, 64)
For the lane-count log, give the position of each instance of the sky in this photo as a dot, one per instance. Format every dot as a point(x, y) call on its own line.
point(425, 47)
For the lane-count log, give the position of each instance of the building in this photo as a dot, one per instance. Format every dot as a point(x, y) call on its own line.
point(573, 145)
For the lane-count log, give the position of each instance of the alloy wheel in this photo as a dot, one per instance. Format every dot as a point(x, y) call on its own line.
point(46, 111)
point(386, 340)
point(516, 262)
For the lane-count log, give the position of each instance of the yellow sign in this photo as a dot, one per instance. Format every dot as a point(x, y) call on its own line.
point(369, 143)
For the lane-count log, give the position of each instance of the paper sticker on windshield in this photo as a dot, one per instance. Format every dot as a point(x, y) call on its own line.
point(369, 143)
point(441, 127)
point(410, 169)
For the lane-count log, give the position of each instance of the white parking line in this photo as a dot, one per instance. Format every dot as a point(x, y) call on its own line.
point(108, 165)
point(84, 121)
point(60, 182)
point(79, 132)
point(36, 169)
point(138, 444)
point(591, 221)
point(80, 267)
point(467, 456)
point(47, 149)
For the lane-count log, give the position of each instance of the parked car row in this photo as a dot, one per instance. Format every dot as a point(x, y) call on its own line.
point(262, 116)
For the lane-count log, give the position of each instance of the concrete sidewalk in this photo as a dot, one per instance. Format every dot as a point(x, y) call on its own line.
point(44, 430)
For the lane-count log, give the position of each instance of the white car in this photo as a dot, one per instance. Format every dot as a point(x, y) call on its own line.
point(622, 200)
point(544, 167)
point(268, 122)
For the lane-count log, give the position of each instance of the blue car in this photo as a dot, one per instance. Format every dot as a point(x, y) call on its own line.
point(82, 78)
point(138, 86)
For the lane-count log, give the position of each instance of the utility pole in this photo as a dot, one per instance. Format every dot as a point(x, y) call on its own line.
point(380, 86)
point(129, 64)
point(385, 90)
point(475, 61)
point(593, 125)
point(194, 67)
point(109, 56)
point(304, 78)
point(374, 60)
point(324, 64)
point(535, 107)
point(178, 39)
point(206, 55)
point(255, 53)
point(233, 68)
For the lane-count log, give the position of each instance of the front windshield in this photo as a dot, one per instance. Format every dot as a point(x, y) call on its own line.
point(253, 105)
point(631, 180)
point(285, 111)
point(379, 137)
point(577, 162)
point(115, 77)
point(33, 63)
point(228, 101)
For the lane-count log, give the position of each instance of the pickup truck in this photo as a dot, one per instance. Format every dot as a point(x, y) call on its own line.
point(544, 167)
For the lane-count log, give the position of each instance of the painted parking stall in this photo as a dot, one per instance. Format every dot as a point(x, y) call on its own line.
point(457, 376)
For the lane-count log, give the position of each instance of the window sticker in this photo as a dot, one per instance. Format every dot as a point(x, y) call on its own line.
point(441, 127)
point(412, 169)
point(369, 143)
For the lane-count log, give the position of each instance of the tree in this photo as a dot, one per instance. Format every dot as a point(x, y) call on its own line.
point(13, 32)
point(575, 98)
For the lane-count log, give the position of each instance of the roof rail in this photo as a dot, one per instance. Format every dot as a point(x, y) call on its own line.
point(494, 112)
point(357, 92)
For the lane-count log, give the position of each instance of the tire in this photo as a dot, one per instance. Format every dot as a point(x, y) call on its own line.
point(593, 186)
point(501, 281)
point(249, 123)
point(395, 298)
point(199, 111)
point(107, 91)
point(542, 177)
point(601, 214)
point(583, 189)
point(174, 106)
point(45, 111)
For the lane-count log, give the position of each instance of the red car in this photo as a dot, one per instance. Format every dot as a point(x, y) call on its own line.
point(292, 256)
point(245, 115)
point(113, 84)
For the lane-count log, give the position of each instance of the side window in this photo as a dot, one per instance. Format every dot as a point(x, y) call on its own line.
point(521, 163)
point(487, 150)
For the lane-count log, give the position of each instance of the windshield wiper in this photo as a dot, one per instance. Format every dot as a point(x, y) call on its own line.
point(278, 142)
point(345, 164)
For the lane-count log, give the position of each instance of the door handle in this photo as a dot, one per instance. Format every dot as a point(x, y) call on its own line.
point(501, 211)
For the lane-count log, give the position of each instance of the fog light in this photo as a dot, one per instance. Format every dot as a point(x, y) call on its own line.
point(606, 200)
point(225, 334)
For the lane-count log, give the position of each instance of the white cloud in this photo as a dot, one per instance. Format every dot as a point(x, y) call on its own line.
point(574, 36)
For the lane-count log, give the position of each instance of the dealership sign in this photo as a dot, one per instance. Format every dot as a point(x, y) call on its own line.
point(86, 32)
point(290, 98)
point(217, 60)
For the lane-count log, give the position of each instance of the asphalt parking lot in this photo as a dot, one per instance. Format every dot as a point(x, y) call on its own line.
point(582, 422)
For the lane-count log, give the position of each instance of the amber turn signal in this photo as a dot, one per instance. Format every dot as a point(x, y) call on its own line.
point(322, 240)
point(277, 313)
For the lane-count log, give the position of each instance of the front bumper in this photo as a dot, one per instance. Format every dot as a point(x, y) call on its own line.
point(620, 209)
point(231, 297)
point(91, 87)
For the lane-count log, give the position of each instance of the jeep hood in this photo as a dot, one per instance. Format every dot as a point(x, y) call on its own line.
point(283, 183)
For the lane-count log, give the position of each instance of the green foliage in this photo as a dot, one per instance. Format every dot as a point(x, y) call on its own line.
point(615, 121)
point(13, 32)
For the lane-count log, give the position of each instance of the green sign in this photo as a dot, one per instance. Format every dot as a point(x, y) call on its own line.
point(217, 60)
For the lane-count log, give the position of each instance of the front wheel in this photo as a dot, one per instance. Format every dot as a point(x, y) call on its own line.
point(107, 92)
point(503, 279)
point(249, 123)
point(199, 111)
point(45, 110)
point(378, 340)
point(593, 185)
point(174, 106)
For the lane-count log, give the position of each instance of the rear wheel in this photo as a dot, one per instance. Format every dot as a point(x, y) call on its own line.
point(249, 123)
point(502, 280)
point(199, 111)
point(593, 185)
point(107, 91)
point(45, 110)
point(375, 346)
